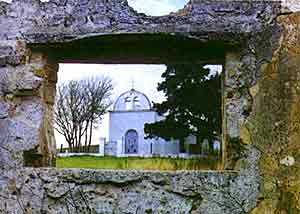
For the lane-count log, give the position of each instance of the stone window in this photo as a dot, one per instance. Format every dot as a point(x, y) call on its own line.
point(137, 49)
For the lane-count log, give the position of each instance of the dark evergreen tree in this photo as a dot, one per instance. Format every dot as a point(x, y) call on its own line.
point(193, 104)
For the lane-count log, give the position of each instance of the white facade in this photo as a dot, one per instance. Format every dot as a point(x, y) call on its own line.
point(126, 128)
point(121, 122)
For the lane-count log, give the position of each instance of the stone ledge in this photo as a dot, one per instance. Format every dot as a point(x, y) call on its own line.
point(130, 191)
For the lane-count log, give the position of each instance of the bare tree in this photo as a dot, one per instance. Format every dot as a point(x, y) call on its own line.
point(79, 107)
point(98, 103)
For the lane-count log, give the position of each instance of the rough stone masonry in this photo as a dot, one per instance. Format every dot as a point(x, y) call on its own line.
point(258, 42)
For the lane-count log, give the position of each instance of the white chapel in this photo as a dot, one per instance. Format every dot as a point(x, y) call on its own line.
point(131, 111)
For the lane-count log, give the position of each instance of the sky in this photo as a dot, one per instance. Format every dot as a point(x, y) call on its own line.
point(144, 78)
point(157, 7)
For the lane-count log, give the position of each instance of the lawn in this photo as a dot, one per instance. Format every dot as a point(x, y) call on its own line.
point(93, 162)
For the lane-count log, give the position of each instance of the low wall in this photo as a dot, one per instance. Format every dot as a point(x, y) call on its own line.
point(52, 191)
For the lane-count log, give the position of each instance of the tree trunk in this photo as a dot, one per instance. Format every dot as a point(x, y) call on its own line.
point(85, 136)
point(181, 146)
point(91, 132)
point(79, 139)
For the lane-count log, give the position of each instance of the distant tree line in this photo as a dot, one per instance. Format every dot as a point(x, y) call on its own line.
point(79, 107)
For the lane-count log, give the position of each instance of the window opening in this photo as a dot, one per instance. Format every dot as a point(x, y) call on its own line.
point(129, 132)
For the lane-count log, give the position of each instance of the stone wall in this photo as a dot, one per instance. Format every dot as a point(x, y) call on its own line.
point(89, 191)
point(278, 103)
point(261, 105)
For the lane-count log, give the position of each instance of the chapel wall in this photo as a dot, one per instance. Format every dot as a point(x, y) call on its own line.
point(121, 122)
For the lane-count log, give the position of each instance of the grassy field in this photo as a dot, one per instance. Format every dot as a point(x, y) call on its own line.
point(93, 162)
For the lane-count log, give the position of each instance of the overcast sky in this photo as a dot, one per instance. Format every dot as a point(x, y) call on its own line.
point(157, 7)
point(144, 78)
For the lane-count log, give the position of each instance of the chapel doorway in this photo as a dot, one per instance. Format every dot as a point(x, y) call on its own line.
point(131, 142)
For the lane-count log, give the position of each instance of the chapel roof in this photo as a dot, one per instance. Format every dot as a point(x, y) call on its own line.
point(132, 100)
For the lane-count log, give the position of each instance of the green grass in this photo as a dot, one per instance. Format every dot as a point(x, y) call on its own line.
point(93, 162)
